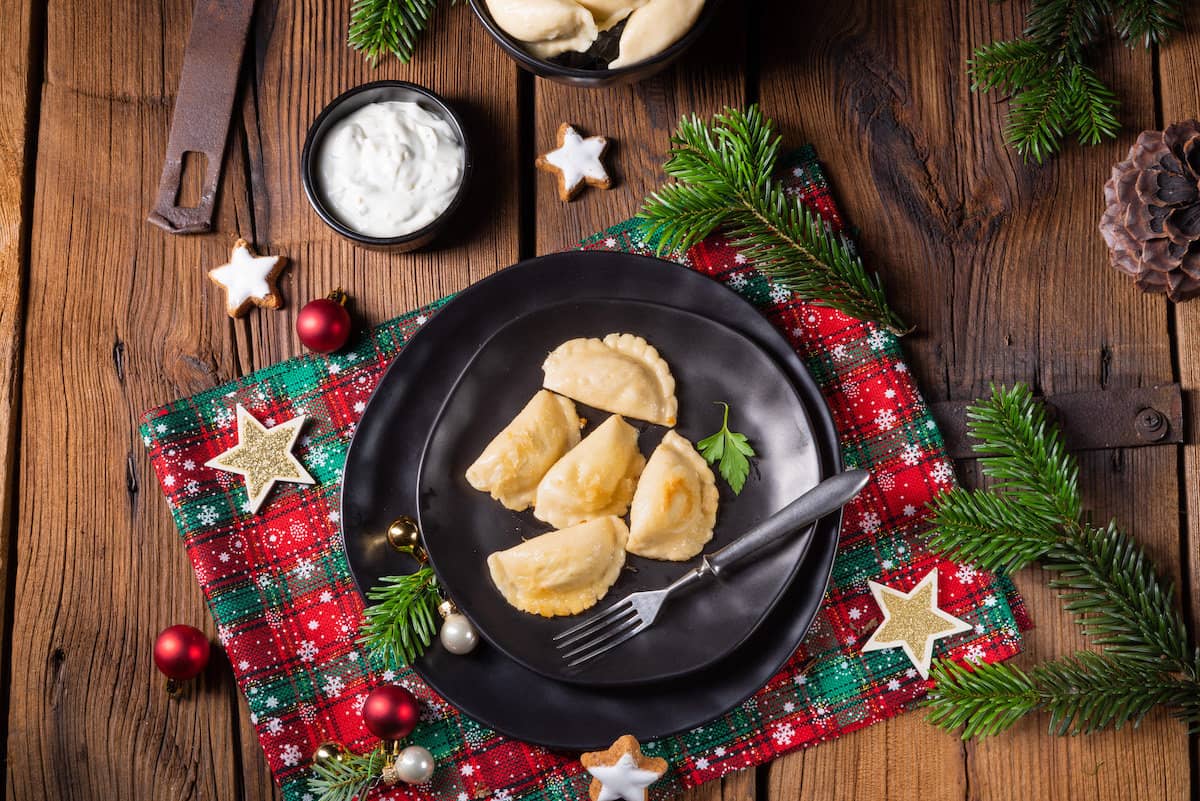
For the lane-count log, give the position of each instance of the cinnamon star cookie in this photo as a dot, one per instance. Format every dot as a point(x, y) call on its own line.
point(622, 772)
point(576, 161)
point(249, 280)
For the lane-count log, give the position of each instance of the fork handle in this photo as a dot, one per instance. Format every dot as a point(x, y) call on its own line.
point(830, 495)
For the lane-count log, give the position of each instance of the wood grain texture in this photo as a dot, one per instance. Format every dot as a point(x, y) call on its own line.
point(17, 76)
point(1180, 94)
point(999, 266)
point(638, 120)
point(995, 261)
point(114, 329)
point(298, 64)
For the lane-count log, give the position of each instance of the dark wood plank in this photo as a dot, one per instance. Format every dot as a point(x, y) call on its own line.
point(639, 120)
point(115, 326)
point(301, 63)
point(998, 265)
point(1179, 75)
point(894, 759)
point(17, 74)
point(298, 64)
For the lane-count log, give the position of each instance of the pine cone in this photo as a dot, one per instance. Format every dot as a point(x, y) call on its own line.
point(1152, 222)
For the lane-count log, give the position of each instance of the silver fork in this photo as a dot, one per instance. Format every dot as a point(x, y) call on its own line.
point(634, 613)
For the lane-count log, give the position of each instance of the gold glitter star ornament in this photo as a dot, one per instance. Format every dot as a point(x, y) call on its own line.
point(912, 621)
point(263, 456)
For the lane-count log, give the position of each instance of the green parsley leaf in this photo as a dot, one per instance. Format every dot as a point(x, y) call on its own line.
point(730, 451)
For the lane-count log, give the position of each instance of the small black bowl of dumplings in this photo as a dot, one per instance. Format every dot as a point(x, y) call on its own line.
point(595, 43)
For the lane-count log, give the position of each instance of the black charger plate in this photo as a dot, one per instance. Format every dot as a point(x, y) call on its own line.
point(380, 483)
point(462, 526)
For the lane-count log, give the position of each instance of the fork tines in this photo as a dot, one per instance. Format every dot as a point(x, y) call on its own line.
point(600, 633)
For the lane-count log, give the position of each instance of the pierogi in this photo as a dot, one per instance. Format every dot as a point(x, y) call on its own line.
point(622, 374)
point(563, 572)
point(675, 505)
point(513, 463)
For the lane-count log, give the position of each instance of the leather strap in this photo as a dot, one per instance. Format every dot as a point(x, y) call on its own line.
point(203, 108)
point(1121, 417)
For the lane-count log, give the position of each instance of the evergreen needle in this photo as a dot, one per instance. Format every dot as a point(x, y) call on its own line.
point(1032, 512)
point(724, 176)
point(401, 620)
point(347, 778)
point(1053, 91)
point(388, 26)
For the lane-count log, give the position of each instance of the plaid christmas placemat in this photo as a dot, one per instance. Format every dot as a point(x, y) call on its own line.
point(287, 613)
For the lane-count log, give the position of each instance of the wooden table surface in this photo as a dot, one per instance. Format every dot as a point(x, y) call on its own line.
point(102, 316)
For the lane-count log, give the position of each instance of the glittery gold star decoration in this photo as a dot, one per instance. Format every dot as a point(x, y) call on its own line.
point(912, 621)
point(263, 456)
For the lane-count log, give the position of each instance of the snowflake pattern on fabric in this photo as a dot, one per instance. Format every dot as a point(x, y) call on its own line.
point(280, 589)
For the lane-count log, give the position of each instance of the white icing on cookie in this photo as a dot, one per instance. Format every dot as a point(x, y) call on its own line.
point(578, 159)
point(244, 278)
point(624, 780)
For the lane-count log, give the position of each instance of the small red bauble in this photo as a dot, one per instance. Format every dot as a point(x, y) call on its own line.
point(323, 325)
point(181, 652)
point(391, 712)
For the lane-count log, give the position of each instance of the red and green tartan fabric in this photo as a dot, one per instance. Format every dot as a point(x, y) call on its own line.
point(287, 612)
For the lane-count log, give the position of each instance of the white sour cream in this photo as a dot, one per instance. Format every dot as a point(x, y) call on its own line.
point(389, 168)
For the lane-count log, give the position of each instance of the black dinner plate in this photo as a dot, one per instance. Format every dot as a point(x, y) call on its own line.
point(461, 526)
point(380, 484)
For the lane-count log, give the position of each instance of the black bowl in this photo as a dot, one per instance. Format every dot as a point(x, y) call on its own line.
point(352, 100)
point(592, 78)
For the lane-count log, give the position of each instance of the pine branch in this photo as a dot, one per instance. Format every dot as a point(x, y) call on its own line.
point(348, 777)
point(1083, 694)
point(1006, 66)
point(1037, 117)
point(1033, 513)
point(1111, 587)
point(1053, 91)
point(388, 26)
point(401, 620)
point(1023, 453)
point(983, 702)
point(992, 531)
point(724, 172)
point(1148, 20)
point(1066, 26)
point(1090, 106)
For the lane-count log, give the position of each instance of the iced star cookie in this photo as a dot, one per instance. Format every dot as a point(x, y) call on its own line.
point(622, 772)
point(249, 280)
point(576, 161)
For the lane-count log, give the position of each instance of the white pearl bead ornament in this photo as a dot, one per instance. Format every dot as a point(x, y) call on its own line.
point(414, 765)
point(458, 635)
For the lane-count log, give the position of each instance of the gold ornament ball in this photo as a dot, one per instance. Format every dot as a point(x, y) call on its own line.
point(404, 534)
point(328, 752)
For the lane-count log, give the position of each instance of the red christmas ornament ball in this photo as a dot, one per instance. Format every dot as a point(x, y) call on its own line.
point(323, 325)
point(181, 652)
point(391, 712)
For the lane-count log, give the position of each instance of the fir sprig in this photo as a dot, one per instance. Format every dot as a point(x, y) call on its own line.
point(348, 777)
point(1052, 91)
point(401, 618)
point(724, 172)
point(1032, 513)
point(1083, 693)
point(388, 26)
